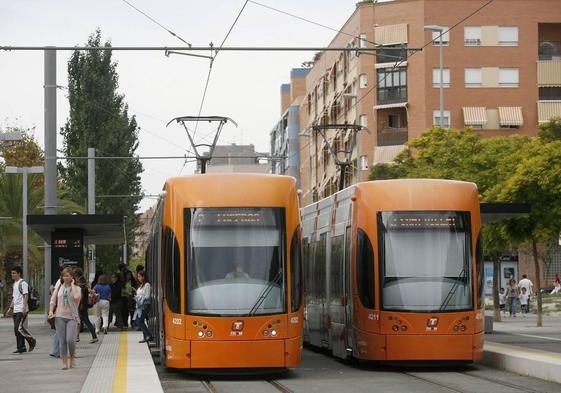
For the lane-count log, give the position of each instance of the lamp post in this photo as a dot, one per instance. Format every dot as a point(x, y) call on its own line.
point(24, 171)
point(440, 29)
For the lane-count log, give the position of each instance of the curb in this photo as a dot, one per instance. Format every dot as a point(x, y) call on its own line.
point(533, 363)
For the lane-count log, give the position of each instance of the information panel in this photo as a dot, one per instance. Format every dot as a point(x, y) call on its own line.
point(67, 249)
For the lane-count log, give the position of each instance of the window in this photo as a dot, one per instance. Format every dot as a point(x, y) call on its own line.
point(436, 77)
point(445, 36)
point(508, 36)
point(171, 270)
point(425, 261)
point(480, 270)
point(296, 270)
point(508, 77)
point(391, 53)
point(336, 291)
point(362, 81)
point(362, 42)
point(363, 120)
point(445, 123)
point(392, 85)
point(365, 270)
point(472, 77)
point(472, 35)
point(394, 120)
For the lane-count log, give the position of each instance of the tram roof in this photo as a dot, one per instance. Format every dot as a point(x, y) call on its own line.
point(97, 228)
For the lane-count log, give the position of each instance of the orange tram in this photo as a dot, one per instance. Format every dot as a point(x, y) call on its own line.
point(224, 260)
point(394, 272)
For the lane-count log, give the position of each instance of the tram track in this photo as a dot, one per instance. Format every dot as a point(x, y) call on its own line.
point(210, 388)
point(471, 375)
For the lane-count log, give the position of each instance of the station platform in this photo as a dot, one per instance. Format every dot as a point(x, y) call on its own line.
point(518, 345)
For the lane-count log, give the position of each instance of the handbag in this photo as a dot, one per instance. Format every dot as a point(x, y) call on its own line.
point(51, 320)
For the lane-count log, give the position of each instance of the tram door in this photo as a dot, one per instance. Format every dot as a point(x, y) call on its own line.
point(336, 291)
point(348, 298)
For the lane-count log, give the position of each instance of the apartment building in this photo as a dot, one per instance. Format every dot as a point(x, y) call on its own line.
point(235, 158)
point(285, 135)
point(501, 76)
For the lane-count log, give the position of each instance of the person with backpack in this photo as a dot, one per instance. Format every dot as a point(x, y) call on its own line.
point(84, 305)
point(19, 309)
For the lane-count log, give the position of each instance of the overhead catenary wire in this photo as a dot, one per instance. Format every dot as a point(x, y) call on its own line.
point(156, 22)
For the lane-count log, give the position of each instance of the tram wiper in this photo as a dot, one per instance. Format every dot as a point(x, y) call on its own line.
point(452, 291)
point(265, 293)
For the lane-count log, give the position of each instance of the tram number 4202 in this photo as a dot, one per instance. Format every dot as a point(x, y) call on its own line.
point(177, 321)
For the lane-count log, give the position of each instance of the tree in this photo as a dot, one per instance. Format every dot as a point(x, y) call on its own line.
point(536, 180)
point(99, 118)
point(550, 131)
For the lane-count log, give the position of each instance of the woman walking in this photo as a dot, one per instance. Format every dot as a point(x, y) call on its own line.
point(83, 309)
point(143, 304)
point(557, 284)
point(103, 289)
point(64, 309)
point(512, 295)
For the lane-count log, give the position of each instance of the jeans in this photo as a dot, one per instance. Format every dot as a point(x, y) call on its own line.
point(512, 305)
point(56, 346)
point(85, 319)
point(116, 309)
point(141, 322)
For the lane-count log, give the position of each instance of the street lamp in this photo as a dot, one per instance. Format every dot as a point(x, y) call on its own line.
point(440, 29)
point(25, 171)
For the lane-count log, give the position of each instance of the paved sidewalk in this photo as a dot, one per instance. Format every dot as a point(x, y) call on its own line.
point(37, 371)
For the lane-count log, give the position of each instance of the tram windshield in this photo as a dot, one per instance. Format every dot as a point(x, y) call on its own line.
point(236, 261)
point(425, 259)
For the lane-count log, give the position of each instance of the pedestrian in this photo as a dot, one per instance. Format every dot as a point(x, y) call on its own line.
point(557, 284)
point(101, 308)
point(55, 353)
point(83, 308)
point(139, 268)
point(512, 295)
point(523, 297)
point(502, 301)
point(127, 281)
point(64, 309)
point(526, 283)
point(19, 309)
point(115, 305)
point(143, 306)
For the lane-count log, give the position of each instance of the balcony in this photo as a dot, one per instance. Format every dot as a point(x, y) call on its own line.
point(549, 73)
point(391, 95)
point(391, 53)
point(392, 136)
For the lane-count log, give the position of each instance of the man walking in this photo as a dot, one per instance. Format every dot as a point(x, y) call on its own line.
point(18, 306)
point(526, 283)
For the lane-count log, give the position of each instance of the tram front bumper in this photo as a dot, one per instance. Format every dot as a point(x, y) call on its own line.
point(434, 347)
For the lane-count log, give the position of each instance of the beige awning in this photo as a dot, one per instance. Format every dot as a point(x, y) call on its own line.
point(548, 110)
point(386, 154)
point(388, 106)
point(549, 73)
point(391, 34)
point(510, 116)
point(474, 115)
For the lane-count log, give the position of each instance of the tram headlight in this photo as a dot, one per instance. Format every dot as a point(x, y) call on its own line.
point(403, 328)
point(456, 328)
point(200, 334)
point(463, 328)
point(273, 333)
point(395, 328)
point(265, 333)
point(209, 333)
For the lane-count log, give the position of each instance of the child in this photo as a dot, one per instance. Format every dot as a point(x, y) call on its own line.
point(502, 301)
point(523, 297)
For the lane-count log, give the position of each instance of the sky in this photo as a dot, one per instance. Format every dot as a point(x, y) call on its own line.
point(243, 85)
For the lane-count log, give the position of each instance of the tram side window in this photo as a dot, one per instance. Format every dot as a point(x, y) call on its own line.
point(296, 270)
point(171, 262)
point(336, 273)
point(319, 268)
point(480, 268)
point(365, 270)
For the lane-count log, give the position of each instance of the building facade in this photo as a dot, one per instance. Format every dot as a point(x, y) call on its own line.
point(235, 158)
point(285, 135)
point(501, 76)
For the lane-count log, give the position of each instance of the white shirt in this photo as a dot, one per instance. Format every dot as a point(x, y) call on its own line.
point(526, 283)
point(523, 298)
point(18, 296)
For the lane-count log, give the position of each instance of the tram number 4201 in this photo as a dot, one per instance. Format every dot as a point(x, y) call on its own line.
point(177, 321)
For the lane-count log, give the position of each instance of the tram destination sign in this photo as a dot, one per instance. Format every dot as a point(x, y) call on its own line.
point(426, 221)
